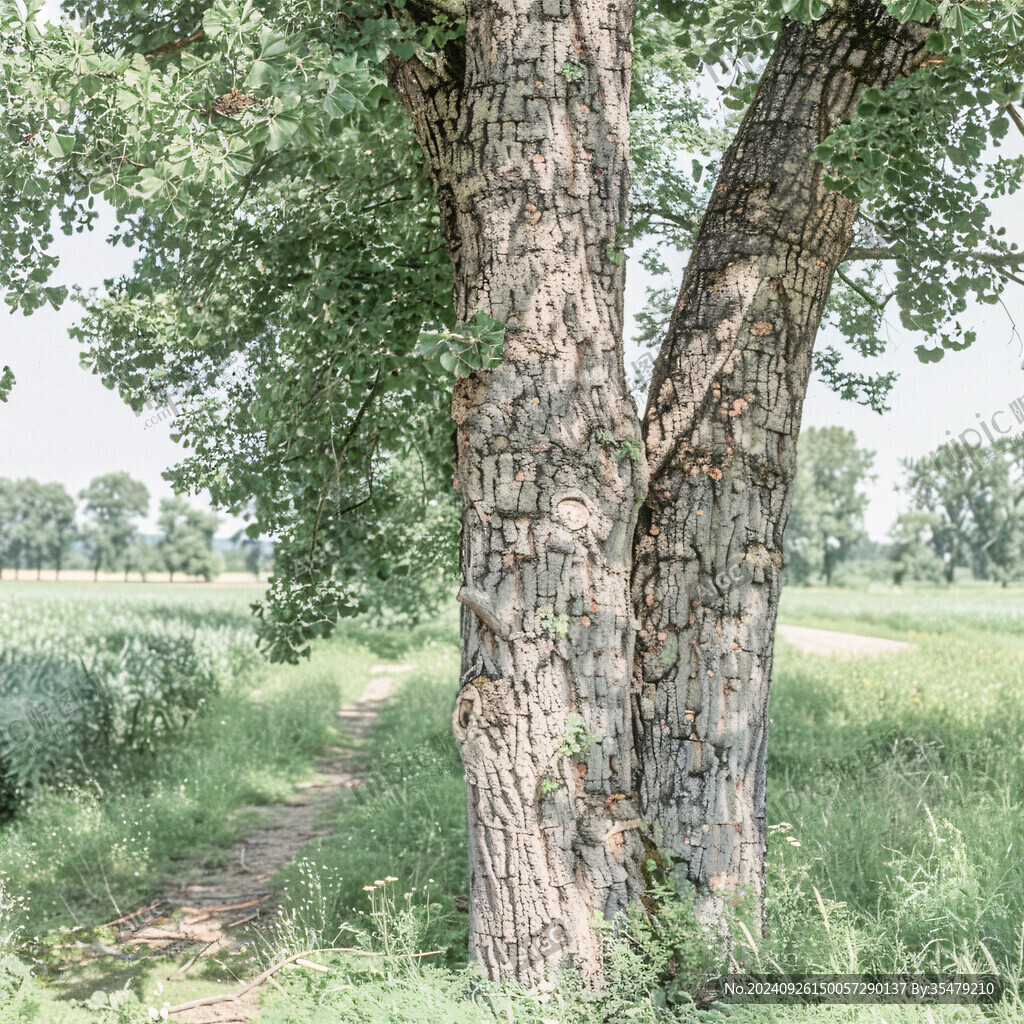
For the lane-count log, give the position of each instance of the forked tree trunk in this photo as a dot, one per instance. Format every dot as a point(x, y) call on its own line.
point(526, 131)
point(529, 152)
point(721, 430)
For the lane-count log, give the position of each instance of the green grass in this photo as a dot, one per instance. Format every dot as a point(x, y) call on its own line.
point(78, 852)
point(126, 827)
point(912, 844)
point(92, 677)
point(885, 854)
point(414, 831)
point(898, 611)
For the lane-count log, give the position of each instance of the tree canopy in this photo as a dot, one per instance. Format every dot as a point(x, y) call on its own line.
point(292, 253)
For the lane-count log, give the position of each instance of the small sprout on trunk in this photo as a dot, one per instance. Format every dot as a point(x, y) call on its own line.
point(549, 786)
point(578, 739)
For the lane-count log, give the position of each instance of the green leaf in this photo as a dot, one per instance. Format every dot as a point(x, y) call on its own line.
point(405, 49)
point(273, 45)
point(339, 103)
point(1010, 27)
point(962, 17)
point(56, 296)
point(468, 347)
point(217, 20)
point(929, 355)
point(260, 74)
point(804, 10)
point(60, 145)
point(911, 10)
point(148, 186)
point(281, 129)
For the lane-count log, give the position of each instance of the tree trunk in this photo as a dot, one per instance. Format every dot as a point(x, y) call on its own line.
point(529, 153)
point(721, 431)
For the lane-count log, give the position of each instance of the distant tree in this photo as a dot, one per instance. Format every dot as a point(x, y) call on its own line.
point(187, 544)
point(828, 509)
point(996, 501)
point(256, 561)
point(33, 522)
point(942, 493)
point(144, 558)
point(911, 553)
point(976, 505)
point(112, 505)
point(10, 525)
point(59, 518)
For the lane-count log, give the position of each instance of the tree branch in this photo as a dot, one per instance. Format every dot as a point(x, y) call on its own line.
point(178, 44)
point(900, 251)
point(1015, 117)
point(431, 96)
point(271, 971)
point(863, 293)
point(427, 10)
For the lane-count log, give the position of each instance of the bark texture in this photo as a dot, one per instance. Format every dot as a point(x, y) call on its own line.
point(721, 431)
point(529, 148)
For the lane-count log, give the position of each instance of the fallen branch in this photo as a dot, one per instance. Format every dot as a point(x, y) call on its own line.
point(180, 973)
point(134, 913)
point(271, 971)
point(202, 915)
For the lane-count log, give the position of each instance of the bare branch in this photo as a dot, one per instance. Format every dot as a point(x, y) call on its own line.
point(260, 978)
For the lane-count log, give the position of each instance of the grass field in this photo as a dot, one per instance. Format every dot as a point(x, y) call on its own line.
point(896, 790)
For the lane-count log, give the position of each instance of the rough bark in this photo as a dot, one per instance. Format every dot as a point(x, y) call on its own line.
point(721, 430)
point(529, 154)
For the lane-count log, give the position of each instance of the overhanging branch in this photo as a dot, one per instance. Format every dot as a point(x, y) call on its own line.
point(178, 44)
point(896, 252)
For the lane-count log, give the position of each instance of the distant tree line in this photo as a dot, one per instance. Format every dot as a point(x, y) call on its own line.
point(964, 513)
point(43, 527)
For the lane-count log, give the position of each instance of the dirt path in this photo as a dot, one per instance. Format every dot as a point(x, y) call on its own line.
point(827, 641)
point(200, 918)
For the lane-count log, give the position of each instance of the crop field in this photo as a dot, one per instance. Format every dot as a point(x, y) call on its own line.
point(92, 674)
point(895, 812)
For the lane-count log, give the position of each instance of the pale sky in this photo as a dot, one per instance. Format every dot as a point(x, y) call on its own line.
point(61, 424)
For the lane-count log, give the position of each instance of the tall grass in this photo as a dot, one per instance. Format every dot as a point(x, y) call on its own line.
point(91, 677)
point(895, 810)
point(107, 829)
point(896, 794)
